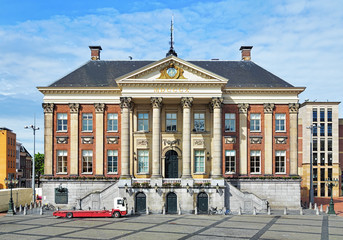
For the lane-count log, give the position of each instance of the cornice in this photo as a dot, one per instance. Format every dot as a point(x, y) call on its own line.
point(62, 90)
point(292, 90)
point(170, 83)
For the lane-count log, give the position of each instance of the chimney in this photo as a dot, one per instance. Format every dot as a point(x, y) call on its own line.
point(246, 52)
point(95, 52)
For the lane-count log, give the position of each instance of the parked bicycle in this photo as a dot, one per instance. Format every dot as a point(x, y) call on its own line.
point(49, 207)
point(212, 211)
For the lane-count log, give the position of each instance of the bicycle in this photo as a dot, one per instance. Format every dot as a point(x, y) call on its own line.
point(49, 207)
point(212, 211)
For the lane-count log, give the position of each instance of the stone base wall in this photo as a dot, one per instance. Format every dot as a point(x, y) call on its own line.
point(20, 196)
point(279, 193)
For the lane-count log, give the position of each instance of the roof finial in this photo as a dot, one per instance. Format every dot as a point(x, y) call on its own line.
point(171, 50)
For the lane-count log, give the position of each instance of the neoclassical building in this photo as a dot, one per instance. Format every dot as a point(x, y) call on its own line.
point(172, 135)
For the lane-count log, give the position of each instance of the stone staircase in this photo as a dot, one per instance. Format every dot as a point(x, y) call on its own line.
point(236, 199)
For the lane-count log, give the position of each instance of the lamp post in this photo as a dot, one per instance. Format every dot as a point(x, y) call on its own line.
point(11, 183)
point(331, 183)
point(34, 129)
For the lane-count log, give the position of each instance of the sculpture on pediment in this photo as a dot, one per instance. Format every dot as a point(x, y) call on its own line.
point(171, 72)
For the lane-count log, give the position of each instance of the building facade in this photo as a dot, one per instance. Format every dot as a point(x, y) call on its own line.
point(7, 155)
point(179, 135)
point(24, 167)
point(319, 124)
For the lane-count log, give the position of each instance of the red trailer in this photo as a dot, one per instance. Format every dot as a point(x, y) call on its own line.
point(120, 209)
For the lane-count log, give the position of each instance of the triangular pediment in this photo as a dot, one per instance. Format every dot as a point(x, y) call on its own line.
point(171, 69)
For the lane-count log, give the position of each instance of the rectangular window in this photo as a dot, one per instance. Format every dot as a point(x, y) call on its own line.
point(330, 173)
point(143, 122)
point(280, 162)
point(322, 189)
point(199, 122)
point(280, 122)
point(315, 159)
point(322, 129)
point(87, 122)
point(329, 144)
point(315, 189)
point(322, 144)
point(143, 161)
point(112, 122)
point(322, 114)
point(315, 174)
point(329, 114)
point(62, 166)
point(315, 129)
point(322, 174)
point(199, 161)
point(230, 161)
point(112, 161)
point(255, 161)
point(314, 113)
point(322, 159)
point(329, 129)
point(230, 122)
point(62, 122)
point(315, 145)
point(87, 161)
point(330, 159)
point(171, 122)
point(255, 122)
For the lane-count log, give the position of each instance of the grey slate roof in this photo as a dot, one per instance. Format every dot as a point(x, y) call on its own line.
point(102, 73)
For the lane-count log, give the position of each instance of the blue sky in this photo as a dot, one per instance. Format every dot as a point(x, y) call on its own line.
point(41, 41)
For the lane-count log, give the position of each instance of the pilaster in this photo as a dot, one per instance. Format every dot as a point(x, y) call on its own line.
point(125, 105)
point(156, 138)
point(74, 138)
point(186, 103)
point(48, 137)
point(243, 137)
point(268, 138)
point(293, 137)
point(217, 138)
point(99, 138)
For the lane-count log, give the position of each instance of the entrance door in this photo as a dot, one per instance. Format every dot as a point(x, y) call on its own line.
point(171, 203)
point(171, 164)
point(202, 202)
point(140, 203)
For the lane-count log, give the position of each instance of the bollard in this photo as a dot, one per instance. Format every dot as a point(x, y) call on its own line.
point(310, 206)
point(317, 211)
point(254, 211)
point(180, 212)
point(315, 206)
point(301, 211)
point(40, 211)
point(20, 208)
point(196, 211)
point(147, 211)
point(269, 213)
point(285, 211)
point(239, 211)
point(224, 210)
point(132, 211)
point(25, 210)
point(164, 210)
point(321, 207)
point(327, 209)
point(14, 209)
point(30, 206)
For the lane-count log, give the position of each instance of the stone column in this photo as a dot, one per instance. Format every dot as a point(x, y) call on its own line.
point(243, 138)
point(293, 138)
point(156, 139)
point(217, 138)
point(186, 137)
point(268, 138)
point(48, 137)
point(125, 105)
point(99, 138)
point(74, 138)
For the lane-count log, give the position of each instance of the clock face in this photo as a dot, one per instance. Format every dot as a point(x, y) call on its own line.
point(171, 72)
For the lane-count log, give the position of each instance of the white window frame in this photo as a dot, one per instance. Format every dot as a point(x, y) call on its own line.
point(87, 158)
point(141, 121)
point(255, 154)
point(62, 120)
point(112, 120)
point(62, 161)
point(280, 121)
point(231, 119)
point(112, 156)
point(199, 116)
point(231, 154)
point(89, 121)
point(199, 161)
point(255, 122)
point(171, 120)
point(143, 161)
point(280, 157)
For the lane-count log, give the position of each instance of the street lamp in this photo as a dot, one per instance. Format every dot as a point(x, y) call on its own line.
point(311, 163)
point(331, 183)
point(11, 183)
point(34, 129)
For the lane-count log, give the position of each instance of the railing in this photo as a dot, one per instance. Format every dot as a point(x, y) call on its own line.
point(171, 180)
point(141, 180)
point(205, 180)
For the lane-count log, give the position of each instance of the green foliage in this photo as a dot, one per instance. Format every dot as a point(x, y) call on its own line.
point(39, 164)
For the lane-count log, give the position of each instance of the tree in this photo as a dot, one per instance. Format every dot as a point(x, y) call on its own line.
point(39, 166)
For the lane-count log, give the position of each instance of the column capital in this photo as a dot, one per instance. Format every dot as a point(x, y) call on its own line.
point(186, 102)
point(48, 107)
point(268, 107)
point(243, 107)
point(125, 102)
point(99, 107)
point(217, 102)
point(156, 102)
point(74, 107)
point(293, 107)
